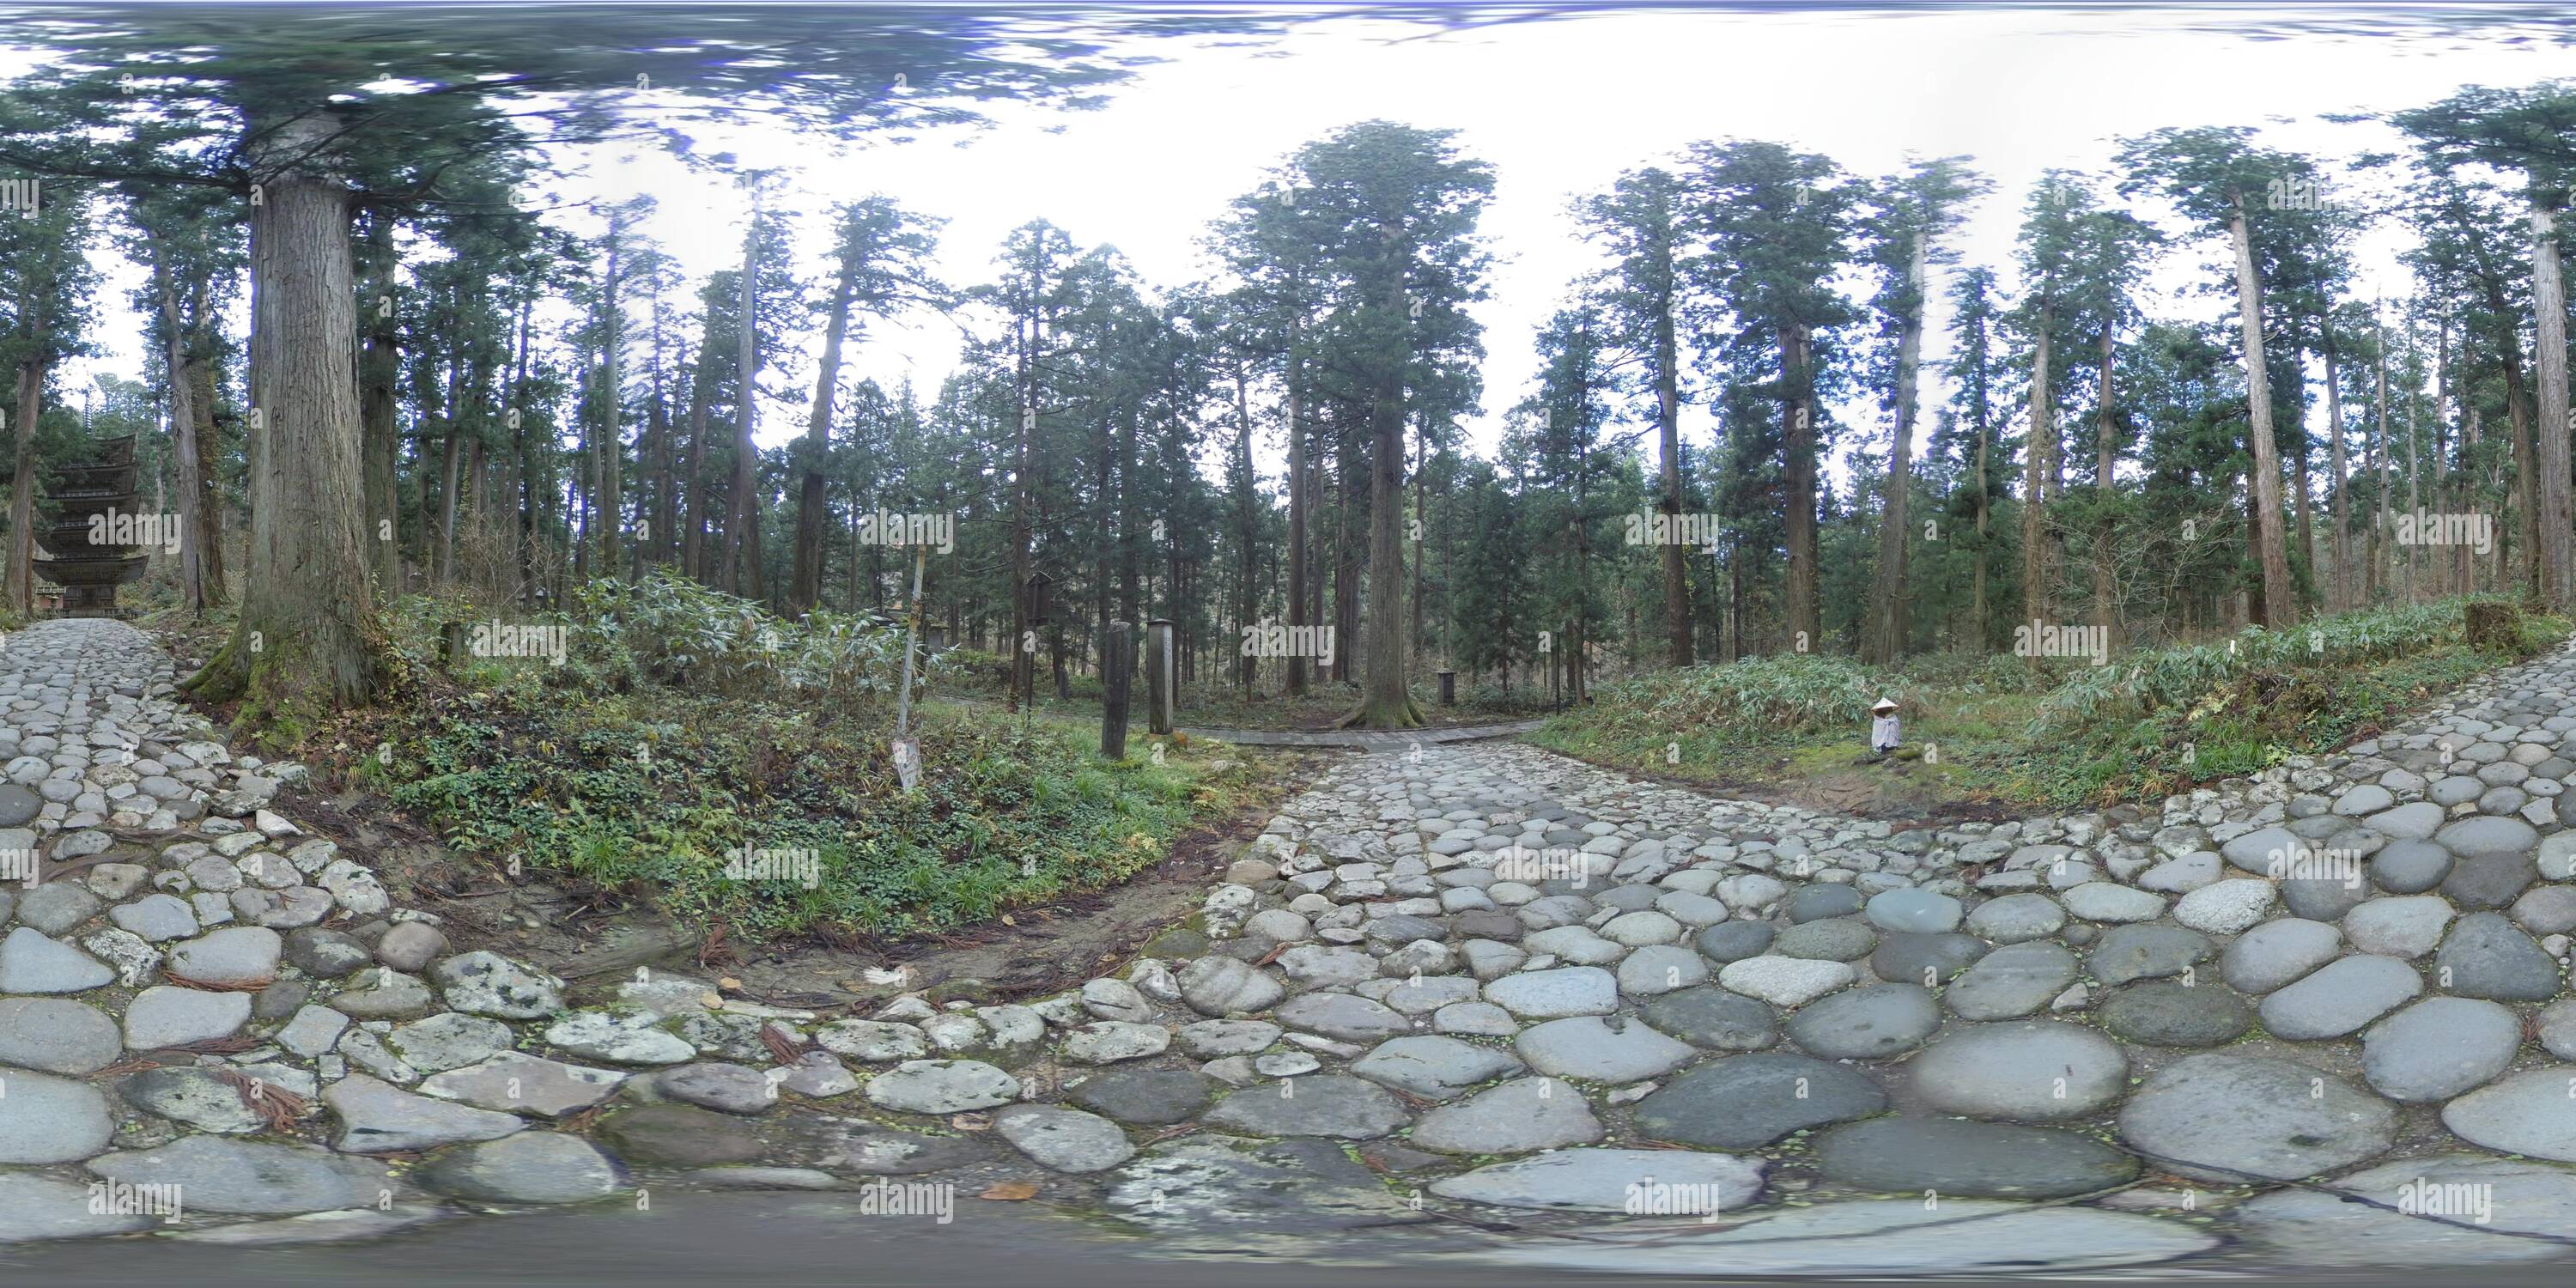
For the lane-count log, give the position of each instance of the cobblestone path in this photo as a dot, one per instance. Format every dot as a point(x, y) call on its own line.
point(2315, 1017)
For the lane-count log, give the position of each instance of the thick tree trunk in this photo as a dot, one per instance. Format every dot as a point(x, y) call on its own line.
point(1805, 619)
point(305, 641)
point(2280, 606)
point(2549, 305)
point(22, 477)
point(1385, 704)
point(1884, 642)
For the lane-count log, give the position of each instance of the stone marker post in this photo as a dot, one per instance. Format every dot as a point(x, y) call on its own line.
point(1162, 676)
point(1448, 688)
point(1117, 672)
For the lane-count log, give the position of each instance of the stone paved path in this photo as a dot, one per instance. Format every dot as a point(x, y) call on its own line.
point(2319, 1017)
point(1365, 739)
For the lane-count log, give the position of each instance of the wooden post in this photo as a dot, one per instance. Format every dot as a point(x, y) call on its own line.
point(1117, 672)
point(1448, 688)
point(1162, 680)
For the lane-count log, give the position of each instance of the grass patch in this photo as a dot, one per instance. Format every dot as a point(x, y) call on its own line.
point(2152, 722)
point(684, 727)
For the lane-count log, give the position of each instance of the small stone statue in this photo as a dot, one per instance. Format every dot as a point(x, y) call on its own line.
point(1883, 735)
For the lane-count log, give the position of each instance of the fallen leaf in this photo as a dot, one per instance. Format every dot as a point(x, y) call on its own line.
point(1010, 1191)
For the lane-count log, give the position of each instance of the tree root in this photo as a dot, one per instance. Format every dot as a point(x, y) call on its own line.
point(1409, 718)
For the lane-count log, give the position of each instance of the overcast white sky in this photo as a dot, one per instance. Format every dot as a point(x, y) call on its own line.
point(1559, 109)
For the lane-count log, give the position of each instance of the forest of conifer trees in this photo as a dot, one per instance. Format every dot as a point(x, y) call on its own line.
point(393, 349)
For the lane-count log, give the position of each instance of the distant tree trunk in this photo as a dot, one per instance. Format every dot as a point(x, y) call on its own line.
point(2549, 305)
point(2280, 607)
point(532, 477)
point(1247, 523)
point(2527, 476)
point(303, 642)
point(1354, 481)
point(2106, 458)
point(191, 415)
point(476, 396)
point(1884, 642)
point(478, 485)
point(2342, 543)
point(1023, 620)
point(805, 582)
point(693, 555)
point(1980, 609)
point(1128, 524)
point(664, 517)
point(207, 528)
point(852, 603)
point(608, 457)
point(1421, 519)
point(2301, 500)
point(2036, 467)
point(741, 557)
point(1805, 618)
point(1299, 487)
point(1735, 651)
point(2415, 449)
point(379, 367)
point(2379, 530)
point(451, 459)
point(1668, 407)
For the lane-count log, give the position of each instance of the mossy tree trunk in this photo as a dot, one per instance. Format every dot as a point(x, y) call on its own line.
point(307, 640)
point(1385, 703)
